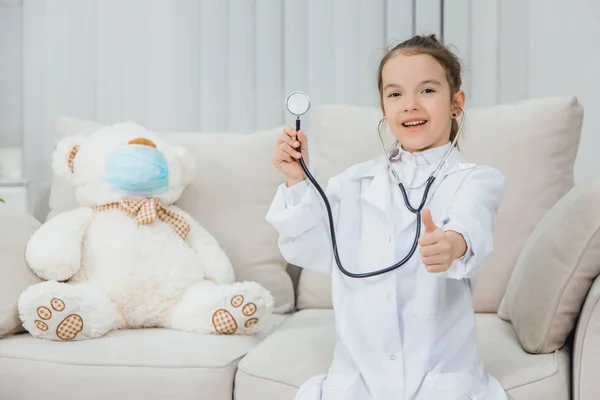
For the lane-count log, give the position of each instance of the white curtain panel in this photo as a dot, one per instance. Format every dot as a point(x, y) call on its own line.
point(202, 65)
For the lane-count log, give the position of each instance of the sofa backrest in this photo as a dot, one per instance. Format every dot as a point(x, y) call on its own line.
point(533, 143)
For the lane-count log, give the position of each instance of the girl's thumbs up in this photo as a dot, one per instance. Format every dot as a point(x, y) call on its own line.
point(430, 226)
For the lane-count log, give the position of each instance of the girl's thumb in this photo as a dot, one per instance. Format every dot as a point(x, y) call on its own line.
point(428, 221)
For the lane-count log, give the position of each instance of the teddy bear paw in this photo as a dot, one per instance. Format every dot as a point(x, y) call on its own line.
point(66, 329)
point(225, 322)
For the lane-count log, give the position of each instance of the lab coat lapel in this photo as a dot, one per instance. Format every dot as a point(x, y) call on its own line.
point(375, 218)
point(377, 190)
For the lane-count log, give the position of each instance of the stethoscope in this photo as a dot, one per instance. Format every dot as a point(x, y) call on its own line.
point(298, 103)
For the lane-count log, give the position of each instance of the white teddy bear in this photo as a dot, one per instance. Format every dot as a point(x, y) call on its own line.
point(128, 257)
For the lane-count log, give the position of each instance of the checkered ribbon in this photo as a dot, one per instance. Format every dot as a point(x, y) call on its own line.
point(146, 211)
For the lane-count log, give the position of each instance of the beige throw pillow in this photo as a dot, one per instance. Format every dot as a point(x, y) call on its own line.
point(555, 271)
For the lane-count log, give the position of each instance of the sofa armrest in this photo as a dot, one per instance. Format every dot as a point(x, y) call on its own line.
point(16, 228)
point(39, 199)
point(586, 348)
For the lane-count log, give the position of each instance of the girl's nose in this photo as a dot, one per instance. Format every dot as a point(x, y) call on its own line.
point(410, 105)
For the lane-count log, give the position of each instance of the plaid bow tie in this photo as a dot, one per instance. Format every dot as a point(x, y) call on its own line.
point(146, 211)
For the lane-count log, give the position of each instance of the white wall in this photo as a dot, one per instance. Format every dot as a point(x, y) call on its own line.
point(564, 59)
point(11, 72)
point(518, 49)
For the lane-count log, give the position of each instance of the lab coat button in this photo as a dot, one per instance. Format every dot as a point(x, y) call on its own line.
point(392, 357)
point(388, 297)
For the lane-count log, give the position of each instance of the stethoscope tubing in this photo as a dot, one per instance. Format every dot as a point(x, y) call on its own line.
point(414, 210)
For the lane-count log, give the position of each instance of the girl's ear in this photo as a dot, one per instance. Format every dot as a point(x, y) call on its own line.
point(458, 100)
point(64, 159)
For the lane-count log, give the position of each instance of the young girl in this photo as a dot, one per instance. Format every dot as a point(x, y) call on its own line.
point(409, 333)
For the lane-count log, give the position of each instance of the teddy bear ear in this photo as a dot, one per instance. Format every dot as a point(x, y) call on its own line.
point(63, 160)
point(188, 167)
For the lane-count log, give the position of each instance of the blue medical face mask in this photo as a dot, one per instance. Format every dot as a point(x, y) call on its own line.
point(138, 170)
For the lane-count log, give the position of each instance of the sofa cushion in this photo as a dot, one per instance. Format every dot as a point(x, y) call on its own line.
point(16, 228)
point(555, 271)
point(523, 375)
point(234, 185)
point(303, 346)
point(532, 142)
point(131, 364)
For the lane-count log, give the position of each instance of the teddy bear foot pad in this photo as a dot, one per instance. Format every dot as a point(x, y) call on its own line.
point(225, 323)
point(67, 328)
point(63, 312)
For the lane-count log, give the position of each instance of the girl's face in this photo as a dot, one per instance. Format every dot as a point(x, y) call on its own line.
point(416, 101)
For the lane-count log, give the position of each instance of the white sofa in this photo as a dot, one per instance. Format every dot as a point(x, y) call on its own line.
point(536, 300)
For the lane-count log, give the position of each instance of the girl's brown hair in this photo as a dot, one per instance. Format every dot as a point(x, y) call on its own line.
point(432, 46)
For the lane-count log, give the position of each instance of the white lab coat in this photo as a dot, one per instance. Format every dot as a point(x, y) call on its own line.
point(408, 334)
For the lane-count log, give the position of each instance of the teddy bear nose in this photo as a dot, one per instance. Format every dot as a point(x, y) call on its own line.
point(142, 141)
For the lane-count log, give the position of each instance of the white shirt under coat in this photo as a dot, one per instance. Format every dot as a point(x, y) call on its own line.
point(407, 334)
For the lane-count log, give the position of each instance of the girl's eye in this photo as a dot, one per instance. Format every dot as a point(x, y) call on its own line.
point(394, 95)
point(428, 91)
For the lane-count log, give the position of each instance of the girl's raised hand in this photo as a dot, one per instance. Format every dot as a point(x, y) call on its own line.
point(286, 154)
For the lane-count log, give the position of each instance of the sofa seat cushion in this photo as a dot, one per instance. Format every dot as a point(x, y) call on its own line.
point(302, 347)
point(131, 364)
point(522, 374)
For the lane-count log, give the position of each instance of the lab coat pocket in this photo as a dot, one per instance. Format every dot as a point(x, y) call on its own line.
point(450, 386)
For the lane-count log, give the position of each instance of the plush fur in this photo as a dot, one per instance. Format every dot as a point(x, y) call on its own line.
point(105, 271)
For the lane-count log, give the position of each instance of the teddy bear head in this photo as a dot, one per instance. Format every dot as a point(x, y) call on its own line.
point(123, 162)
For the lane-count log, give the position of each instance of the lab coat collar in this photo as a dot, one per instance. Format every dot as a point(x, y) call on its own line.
point(377, 191)
point(427, 157)
point(379, 166)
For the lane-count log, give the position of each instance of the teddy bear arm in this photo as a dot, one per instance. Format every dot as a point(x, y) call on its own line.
point(54, 251)
point(216, 264)
point(212, 258)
